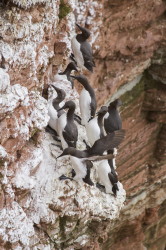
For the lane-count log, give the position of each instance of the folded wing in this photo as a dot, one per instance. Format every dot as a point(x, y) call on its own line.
point(107, 142)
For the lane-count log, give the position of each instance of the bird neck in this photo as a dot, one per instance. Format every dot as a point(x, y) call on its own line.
point(89, 89)
point(56, 102)
point(67, 72)
point(112, 111)
point(70, 114)
point(100, 123)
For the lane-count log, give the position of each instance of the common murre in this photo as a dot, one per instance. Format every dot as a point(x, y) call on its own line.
point(82, 49)
point(67, 129)
point(94, 128)
point(54, 106)
point(71, 66)
point(87, 99)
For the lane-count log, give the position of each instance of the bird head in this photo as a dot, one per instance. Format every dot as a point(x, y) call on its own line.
point(68, 105)
point(71, 66)
point(80, 78)
point(103, 110)
point(85, 31)
point(115, 104)
point(60, 92)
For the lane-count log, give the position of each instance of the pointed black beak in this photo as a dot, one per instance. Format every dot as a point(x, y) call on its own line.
point(81, 28)
point(85, 31)
point(78, 26)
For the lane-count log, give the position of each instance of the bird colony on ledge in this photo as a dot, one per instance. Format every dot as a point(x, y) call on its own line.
point(103, 128)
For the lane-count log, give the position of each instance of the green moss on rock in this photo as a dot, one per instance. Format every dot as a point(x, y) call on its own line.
point(146, 83)
point(34, 131)
point(133, 94)
point(64, 9)
point(1, 162)
point(151, 83)
point(62, 223)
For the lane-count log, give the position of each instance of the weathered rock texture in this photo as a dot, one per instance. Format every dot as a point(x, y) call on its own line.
point(39, 212)
point(133, 62)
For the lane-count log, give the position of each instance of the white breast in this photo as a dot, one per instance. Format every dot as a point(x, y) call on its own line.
point(62, 120)
point(113, 161)
point(103, 169)
point(79, 167)
point(92, 131)
point(85, 100)
point(59, 78)
point(106, 115)
point(53, 116)
point(75, 45)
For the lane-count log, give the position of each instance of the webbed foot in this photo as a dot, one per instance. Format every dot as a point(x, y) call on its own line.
point(100, 187)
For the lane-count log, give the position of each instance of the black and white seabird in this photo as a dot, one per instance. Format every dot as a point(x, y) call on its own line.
point(82, 49)
point(107, 178)
point(95, 130)
point(87, 99)
point(54, 106)
point(95, 127)
point(81, 166)
point(113, 121)
point(71, 66)
point(95, 153)
point(107, 174)
point(82, 169)
point(113, 174)
point(67, 129)
point(107, 142)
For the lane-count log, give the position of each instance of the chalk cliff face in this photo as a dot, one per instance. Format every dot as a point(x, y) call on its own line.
point(37, 210)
